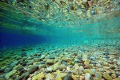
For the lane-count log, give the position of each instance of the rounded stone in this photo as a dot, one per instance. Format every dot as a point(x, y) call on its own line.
point(113, 76)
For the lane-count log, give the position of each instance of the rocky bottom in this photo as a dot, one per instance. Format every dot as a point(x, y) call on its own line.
point(60, 63)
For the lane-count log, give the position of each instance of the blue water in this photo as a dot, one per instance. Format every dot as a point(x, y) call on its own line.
point(8, 39)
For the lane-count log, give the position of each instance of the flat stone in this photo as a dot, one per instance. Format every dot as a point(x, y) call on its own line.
point(99, 65)
point(50, 61)
point(90, 71)
point(49, 69)
point(91, 58)
point(107, 77)
point(61, 67)
point(33, 69)
point(38, 76)
point(49, 76)
point(74, 77)
point(10, 74)
point(60, 75)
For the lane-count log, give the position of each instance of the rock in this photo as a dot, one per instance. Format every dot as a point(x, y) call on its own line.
point(118, 62)
point(77, 61)
point(52, 57)
point(116, 74)
point(98, 75)
point(86, 63)
point(61, 67)
point(64, 63)
point(24, 76)
point(68, 77)
point(113, 76)
point(117, 79)
point(73, 77)
point(60, 75)
point(66, 59)
point(87, 76)
point(99, 65)
point(106, 53)
point(58, 79)
point(33, 69)
point(107, 77)
point(82, 77)
point(87, 67)
point(50, 61)
point(100, 69)
point(112, 67)
point(90, 71)
point(75, 72)
point(49, 76)
point(76, 66)
point(38, 76)
point(49, 69)
point(8, 69)
point(55, 67)
point(36, 59)
point(71, 66)
point(105, 64)
point(93, 62)
point(89, 13)
point(42, 57)
point(7, 76)
point(91, 58)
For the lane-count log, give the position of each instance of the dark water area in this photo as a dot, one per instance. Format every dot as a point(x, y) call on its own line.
point(13, 39)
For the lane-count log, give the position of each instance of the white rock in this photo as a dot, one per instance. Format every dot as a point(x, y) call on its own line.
point(87, 76)
point(118, 62)
point(98, 65)
point(49, 69)
point(43, 56)
point(29, 79)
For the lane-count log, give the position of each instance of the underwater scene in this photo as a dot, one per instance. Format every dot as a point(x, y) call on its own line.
point(59, 39)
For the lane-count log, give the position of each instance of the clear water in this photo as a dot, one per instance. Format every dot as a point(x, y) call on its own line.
point(23, 37)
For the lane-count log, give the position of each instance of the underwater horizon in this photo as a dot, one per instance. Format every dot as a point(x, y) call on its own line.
point(59, 40)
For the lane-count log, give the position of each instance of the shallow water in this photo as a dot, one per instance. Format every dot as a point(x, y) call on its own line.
point(37, 44)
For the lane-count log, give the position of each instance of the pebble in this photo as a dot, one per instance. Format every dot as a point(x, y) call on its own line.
point(50, 61)
point(61, 67)
point(49, 69)
point(60, 75)
point(33, 69)
point(87, 76)
point(113, 76)
point(106, 53)
point(92, 58)
point(107, 77)
point(99, 65)
point(38, 76)
point(68, 77)
point(49, 76)
point(7, 76)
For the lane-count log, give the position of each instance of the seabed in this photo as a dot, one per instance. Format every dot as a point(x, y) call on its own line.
point(61, 62)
